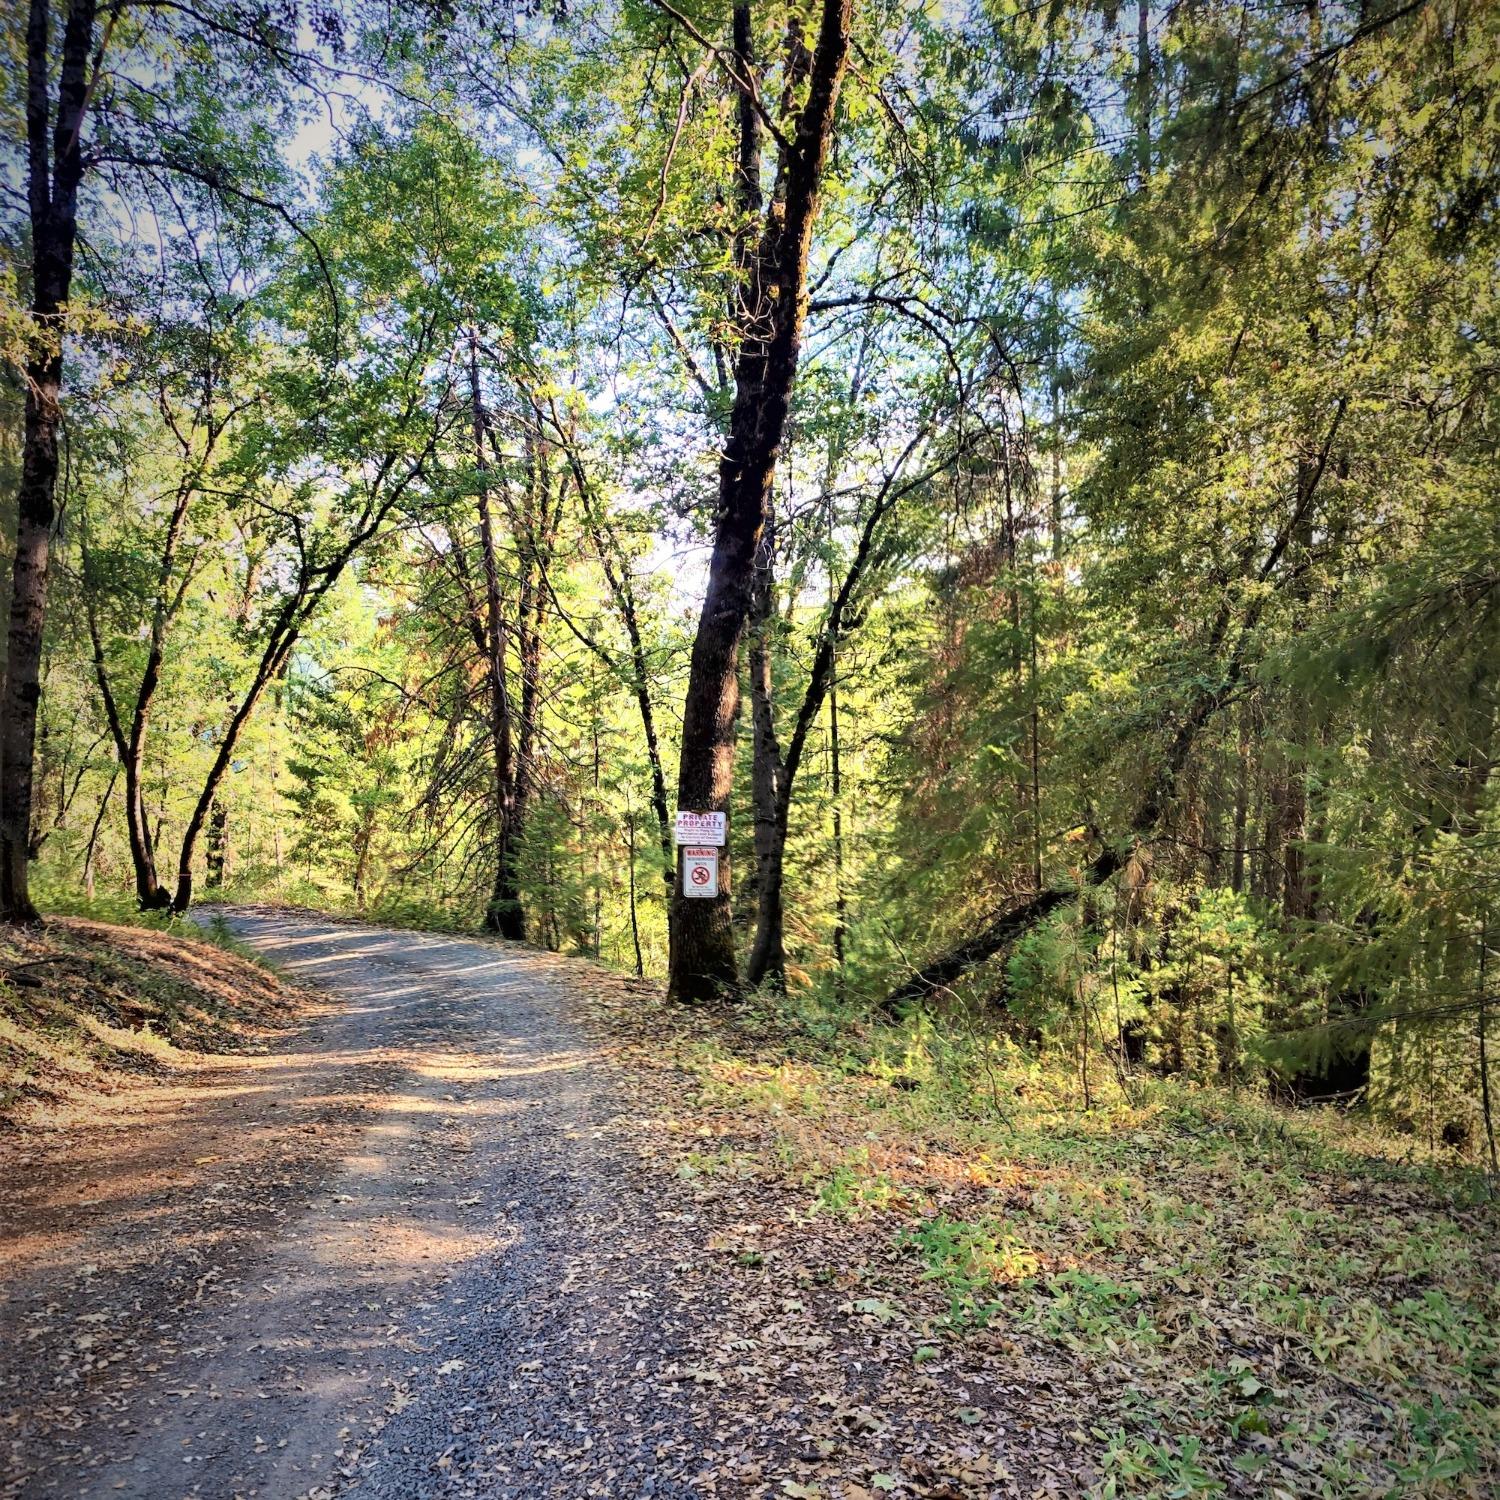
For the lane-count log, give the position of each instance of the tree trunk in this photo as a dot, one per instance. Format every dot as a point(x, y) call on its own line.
point(836, 789)
point(1298, 895)
point(767, 962)
point(635, 928)
point(53, 176)
point(1486, 1104)
point(1241, 798)
point(311, 587)
point(93, 843)
point(617, 576)
point(535, 536)
point(772, 311)
point(274, 656)
point(1056, 488)
point(216, 846)
point(183, 896)
point(1141, 90)
point(149, 893)
point(775, 774)
point(1010, 925)
point(503, 915)
point(363, 837)
point(149, 890)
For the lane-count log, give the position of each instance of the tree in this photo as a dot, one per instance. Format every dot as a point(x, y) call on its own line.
point(1246, 454)
point(140, 129)
point(772, 257)
point(54, 170)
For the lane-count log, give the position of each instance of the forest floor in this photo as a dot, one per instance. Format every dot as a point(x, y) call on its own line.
point(469, 1219)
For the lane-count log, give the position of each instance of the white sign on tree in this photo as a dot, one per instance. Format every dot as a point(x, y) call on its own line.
point(701, 827)
point(700, 872)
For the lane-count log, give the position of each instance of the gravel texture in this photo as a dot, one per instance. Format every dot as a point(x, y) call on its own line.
point(473, 1292)
point(479, 1229)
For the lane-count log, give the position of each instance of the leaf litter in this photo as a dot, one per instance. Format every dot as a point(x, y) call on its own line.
point(708, 1261)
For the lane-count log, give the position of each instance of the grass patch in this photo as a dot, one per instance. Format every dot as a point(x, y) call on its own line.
point(1268, 1301)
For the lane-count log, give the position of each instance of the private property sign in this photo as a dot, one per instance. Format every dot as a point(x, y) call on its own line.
point(700, 871)
point(700, 827)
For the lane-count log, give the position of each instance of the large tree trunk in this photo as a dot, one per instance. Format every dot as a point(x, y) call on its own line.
point(774, 299)
point(150, 894)
point(52, 194)
point(12, 437)
point(28, 613)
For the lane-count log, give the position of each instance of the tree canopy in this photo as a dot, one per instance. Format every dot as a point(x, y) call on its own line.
point(1031, 468)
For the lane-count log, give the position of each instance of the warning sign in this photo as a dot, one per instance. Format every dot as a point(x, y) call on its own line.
point(700, 827)
point(700, 872)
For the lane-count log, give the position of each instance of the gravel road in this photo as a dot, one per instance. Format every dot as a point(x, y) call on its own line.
point(477, 1291)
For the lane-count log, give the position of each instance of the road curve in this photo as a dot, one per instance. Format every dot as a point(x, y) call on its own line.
point(472, 1293)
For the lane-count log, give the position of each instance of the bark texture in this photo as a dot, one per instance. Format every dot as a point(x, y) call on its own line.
point(53, 171)
point(767, 962)
point(771, 314)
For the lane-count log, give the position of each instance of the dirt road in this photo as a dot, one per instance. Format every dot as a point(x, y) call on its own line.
point(408, 1255)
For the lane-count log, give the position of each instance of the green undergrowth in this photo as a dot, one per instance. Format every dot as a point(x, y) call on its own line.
point(203, 920)
point(413, 913)
point(203, 924)
point(1270, 1301)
